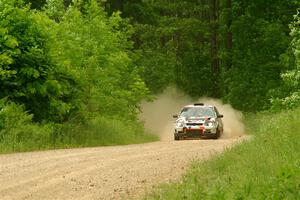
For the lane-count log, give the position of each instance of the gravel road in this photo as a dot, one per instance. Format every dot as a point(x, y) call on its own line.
point(101, 173)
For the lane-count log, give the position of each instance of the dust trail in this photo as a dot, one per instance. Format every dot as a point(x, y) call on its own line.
point(233, 119)
point(157, 115)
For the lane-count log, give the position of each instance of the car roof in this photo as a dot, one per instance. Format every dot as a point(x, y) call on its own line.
point(198, 105)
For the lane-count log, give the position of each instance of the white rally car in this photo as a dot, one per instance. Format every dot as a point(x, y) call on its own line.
point(198, 121)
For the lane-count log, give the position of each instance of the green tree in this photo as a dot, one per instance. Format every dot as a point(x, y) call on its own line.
point(173, 39)
point(288, 95)
point(223, 48)
point(260, 37)
point(98, 49)
point(28, 74)
point(36, 4)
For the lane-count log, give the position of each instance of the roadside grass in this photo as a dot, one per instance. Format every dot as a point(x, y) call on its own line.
point(99, 132)
point(103, 131)
point(265, 167)
point(18, 133)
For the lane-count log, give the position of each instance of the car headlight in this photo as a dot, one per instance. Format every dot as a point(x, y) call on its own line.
point(211, 124)
point(180, 124)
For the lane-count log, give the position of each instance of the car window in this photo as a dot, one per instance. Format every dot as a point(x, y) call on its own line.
point(198, 112)
point(184, 111)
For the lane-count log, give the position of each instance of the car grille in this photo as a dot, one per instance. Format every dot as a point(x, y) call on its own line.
point(193, 133)
point(194, 124)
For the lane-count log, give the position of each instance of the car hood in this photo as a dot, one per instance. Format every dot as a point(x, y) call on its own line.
point(195, 119)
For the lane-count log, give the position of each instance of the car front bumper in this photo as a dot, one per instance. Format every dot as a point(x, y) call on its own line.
point(194, 132)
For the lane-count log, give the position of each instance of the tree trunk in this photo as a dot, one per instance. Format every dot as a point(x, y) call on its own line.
point(229, 34)
point(214, 49)
point(119, 5)
point(66, 4)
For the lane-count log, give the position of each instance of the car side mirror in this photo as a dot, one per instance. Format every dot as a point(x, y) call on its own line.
point(220, 116)
point(175, 116)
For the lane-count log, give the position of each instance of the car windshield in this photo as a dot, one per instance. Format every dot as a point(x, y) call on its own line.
point(197, 112)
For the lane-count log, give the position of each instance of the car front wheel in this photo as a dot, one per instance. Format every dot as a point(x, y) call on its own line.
point(176, 136)
point(217, 134)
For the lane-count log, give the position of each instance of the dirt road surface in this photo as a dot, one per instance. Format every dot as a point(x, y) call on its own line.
point(101, 173)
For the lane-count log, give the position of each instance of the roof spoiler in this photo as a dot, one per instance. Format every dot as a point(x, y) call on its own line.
point(198, 104)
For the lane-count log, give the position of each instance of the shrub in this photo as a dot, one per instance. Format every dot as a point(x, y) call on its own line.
point(17, 132)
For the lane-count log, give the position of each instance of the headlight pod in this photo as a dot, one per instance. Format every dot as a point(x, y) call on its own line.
point(180, 124)
point(211, 124)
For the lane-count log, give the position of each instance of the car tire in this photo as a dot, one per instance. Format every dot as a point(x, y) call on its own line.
point(176, 136)
point(217, 134)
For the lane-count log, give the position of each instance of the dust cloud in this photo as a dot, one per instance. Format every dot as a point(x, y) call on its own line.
point(157, 115)
point(232, 120)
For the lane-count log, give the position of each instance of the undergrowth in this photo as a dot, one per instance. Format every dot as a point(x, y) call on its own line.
point(18, 133)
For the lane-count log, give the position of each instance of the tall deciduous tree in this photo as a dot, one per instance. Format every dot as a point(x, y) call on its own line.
point(288, 95)
point(228, 18)
point(28, 74)
point(260, 36)
point(222, 48)
point(97, 48)
point(215, 48)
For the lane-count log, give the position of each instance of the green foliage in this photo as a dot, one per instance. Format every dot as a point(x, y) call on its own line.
point(100, 131)
point(55, 9)
point(36, 4)
point(265, 167)
point(289, 95)
point(17, 132)
point(260, 32)
point(157, 68)
point(48, 65)
point(174, 42)
point(68, 77)
point(28, 74)
point(97, 48)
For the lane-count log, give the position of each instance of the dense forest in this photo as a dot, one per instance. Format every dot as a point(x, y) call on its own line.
point(74, 73)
